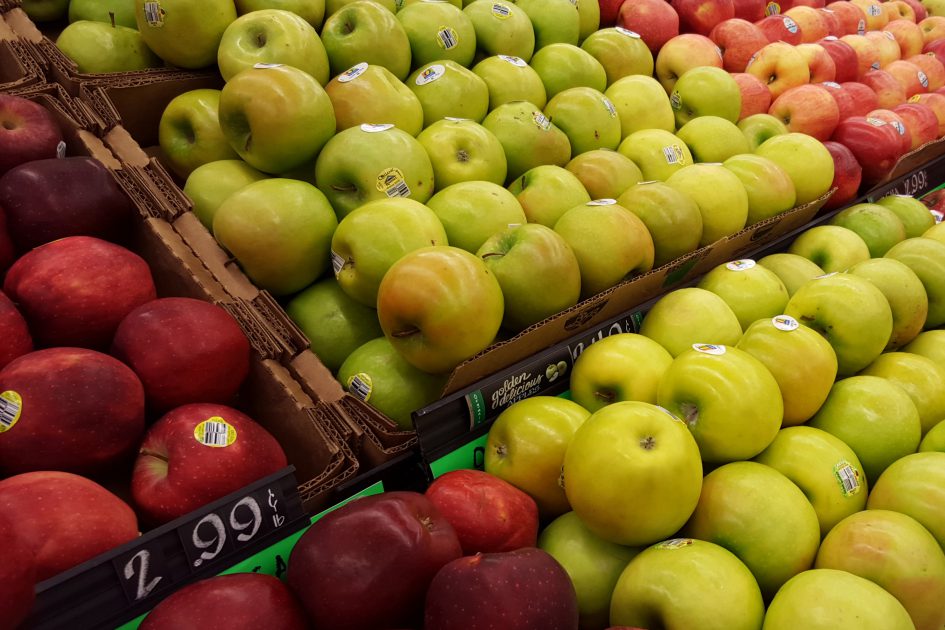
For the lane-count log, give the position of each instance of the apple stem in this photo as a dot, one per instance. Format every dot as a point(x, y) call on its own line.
point(348, 188)
point(690, 413)
point(111, 16)
point(407, 332)
point(492, 255)
point(150, 453)
point(606, 396)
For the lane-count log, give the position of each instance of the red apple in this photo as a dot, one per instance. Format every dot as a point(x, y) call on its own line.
point(864, 98)
point(843, 98)
point(852, 18)
point(807, 109)
point(875, 144)
point(910, 77)
point(918, 9)
point(936, 48)
point(932, 67)
point(65, 519)
point(816, 4)
point(656, 21)
point(17, 574)
point(899, 11)
point(489, 514)
point(844, 59)
point(834, 25)
point(886, 44)
point(933, 28)
point(738, 40)
point(701, 16)
point(198, 453)
point(751, 10)
point(13, 331)
point(27, 132)
point(819, 62)
point(608, 12)
point(867, 55)
point(76, 290)
point(847, 174)
point(240, 601)
point(896, 121)
point(889, 92)
point(369, 563)
point(921, 123)
point(7, 250)
point(780, 28)
point(756, 97)
point(935, 102)
point(488, 591)
point(811, 21)
point(908, 35)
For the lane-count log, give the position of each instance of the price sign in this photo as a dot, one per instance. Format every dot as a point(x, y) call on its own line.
point(914, 184)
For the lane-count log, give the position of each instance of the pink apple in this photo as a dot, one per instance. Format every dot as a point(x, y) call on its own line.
point(935, 47)
point(807, 109)
point(847, 175)
point(834, 26)
point(886, 44)
point(910, 77)
point(933, 28)
point(864, 98)
point(932, 67)
point(27, 132)
point(751, 10)
point(756, 97)
point(738, 40)
point(780, 28)
point(844, 59)
point(921, 122)
point(900, 11)
point(936, 102)
point(779, 66)
point(867, 55)
point(852, 18)
point(909, 37)
point(843, 98)
point(656, 21)
point(819, 62)
point(918, 9)
point(896, 121)
point(889, 92)
point(701, 16)
point(875, 144)
point(811, 21)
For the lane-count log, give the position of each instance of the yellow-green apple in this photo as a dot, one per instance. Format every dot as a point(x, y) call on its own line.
point(279, 230)
point(728, 399)
point(720, 195)
point(459, 316)
point(932, 67)
point(933, 28)
point(847, 175)
point(641, 104)
point(605, 174)
point(758, 128)
point(276, 118)
point(808, 109)
point(621, 52)
point(588, 18)
point(372, 237)
point(752, 292)
point(365, 31)
point(272, 36)
point(895, 120)
point(821, 65)
point(823, 467)
point(914, 485)
point(931, 344)
point(682, 53)
point(926, 257)
point(473, 211)
point(876, 145)
point(845, 61)
point(447, 89)
point(780, 66)
point(210, 184)
point(713, 139)
point(313, 11)
point(116, 48)
point(625, 366)
point(611, 244)
point(587, 117)
point(371, 162)
point(705, 91)
point(879, 227)
point(887, 46)
point(936, 102)
point(99, 10)
point(769, 188)
point(934, 440)
point(656, 152)
point(537, 270)
point(920, 377)
point(528, 137)
point(903, 291)
point(502, 28)
point(935, 232)
point(632, 473)
point(908, 35)
point(526, 447)
point(184, 33)
point(399, 5)
point(755, 95)
point(760, 516)
point(921, 122)
point(546, 192)
point(867, 54)
point(190, 133)
point(894, 551)
point(657, 22)
point(554, 21)
point(691, 316)
point(807, 162)
point(672, 218)
point(833, 248)
point(371, 94)
point(876, 18)
point(822, 599)
point(811, 22)
point(793, 269)
point(510, 79)
point(738, 40)
point(438, 31)
point(780, 28)
point(563, 66)
point(29, 132)
point(463, 151)
point(874, 417)
point(333, 6)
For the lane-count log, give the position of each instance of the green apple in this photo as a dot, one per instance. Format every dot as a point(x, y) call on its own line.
point(641, 104)
point(720, 195)
point(400, 5)
point(850, 312)
point(728, 399)
point(926, 257)
point(438, 31)
point(920, 377)
point(879, 227)
point(874, 417)
point(752, 292)
point(690, 316)
point(905, 293)
point(272, 36)
point(334, 324)
point(97, 47)
point(672, 218)
point(793, 269)
point(333, 6)
point(934, 440)
point(448, 90)
point(592, 563)
point(439, 306)
point(760, 516)
point(377, 374)
point(784, 345)
point(656, 152)
point(528, 137)
point(759, 128)
point(770, 189)
point(502, 28)
point(713, 139)
point(372, 237)
point(705, 91)
point(279, 230)
point(184, 33)
point(554, 21)
point(931, 344)
point(605, 174)
point(473, 211)
point(103, 10)
point(366, 94)
point(611, 244)
point(587, 117)
point(45, 10)
point(632, 473)
point(914, 485)
point(827, 599)
point(686, 583)
point(189, 131)
point(537, 270)
point(563, 66)
point(894, 551)
point(546, 192)
point(620, 51)
point(365, 31)
point(312, 11)
point(833, 248)
point(510, 79)
point(210, 184)
point(370, 162)
point(807, 162)
point(625, 366)
point(463, 151)
point(914, 214)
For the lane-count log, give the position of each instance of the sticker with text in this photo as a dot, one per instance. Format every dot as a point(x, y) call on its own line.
point(740, 265)
point(709, 348)
point(353, 72)
point(215, 432)
point(391, 182)
point(848, 477)
point(11, 407)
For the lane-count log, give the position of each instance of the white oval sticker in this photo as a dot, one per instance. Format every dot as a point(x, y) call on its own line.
point(431, 74)
point(353, 72)
point(785, 323)
point(628, 32)
point(515, 61)
point(369, 128)
point(709, 348)
point(740, 265)
point(602, 202)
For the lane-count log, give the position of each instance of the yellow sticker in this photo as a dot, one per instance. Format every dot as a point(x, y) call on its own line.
point(391, 182)
point(675, 543)
point(11, 407)
point(361, 386)
point(215, 432)
point(848, 477)
point(446, 38)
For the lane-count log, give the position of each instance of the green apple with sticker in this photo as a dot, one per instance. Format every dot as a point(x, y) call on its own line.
point(656, 152)
point(751, 291)
point(367, 94)
point(183, 33)
point(438, 31)
point(510, 79)
point(447, 89)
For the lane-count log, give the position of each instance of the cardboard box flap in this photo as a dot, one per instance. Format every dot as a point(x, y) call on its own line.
point(22, 25)
point(318, 379)
point(315, 492)
point(384, 440)
point(293, 339)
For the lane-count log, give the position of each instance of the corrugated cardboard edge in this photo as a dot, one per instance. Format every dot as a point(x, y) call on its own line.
point(913, 160)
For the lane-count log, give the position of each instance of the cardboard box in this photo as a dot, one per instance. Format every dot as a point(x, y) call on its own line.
point(19, 65)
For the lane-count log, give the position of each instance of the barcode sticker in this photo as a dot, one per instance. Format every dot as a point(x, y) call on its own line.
point(849, 478)
point(785, 323)
point(360, 386)
point(673, 154)
point(154, 14)
point(543, 122)
point(267, 66)
point(709, 348)
point(501, 11)
point(861, 27)
point(772, 8)
point(11, 406)
point(515, 61)
point(447, 38)
point(675, 100)
point(740, 265)
point(337, 263)
point(923, 79)
point(609, 106)
point(790, 24)
point(391, 182)
point(215, 432)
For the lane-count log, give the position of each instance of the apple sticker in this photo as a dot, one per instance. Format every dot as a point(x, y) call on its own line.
point(11, 406)
point(215, 432)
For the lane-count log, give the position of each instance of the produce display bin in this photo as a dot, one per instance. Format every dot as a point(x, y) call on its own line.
point(19, 61)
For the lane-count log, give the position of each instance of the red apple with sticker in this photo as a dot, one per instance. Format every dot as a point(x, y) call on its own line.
point(909, 37)
point(655, 20)
point(780, 66)
point(896, 121)
point(932, 67)
point(935, 102)
point(887, 46)
point(912, 79)
point(852, 18)
point(867, 55)
point(921, 122)
point(875, 144)
point(812, 23)
point(935, 47)
point(27, 132)
point(738, 41)
point(847, 175)
point(780, 28)
point(876, 17)
point(844, 59)
point(807, 109)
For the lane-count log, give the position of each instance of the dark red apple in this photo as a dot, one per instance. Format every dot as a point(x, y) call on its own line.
point(844, 59)
point(864, 98)
point(875, 144)
point(656, 21)
point(27, 132)
point(184, 350)
point(13, 331)
point(68, 409)
point(780, 28)
point(847, 174)
point(738, 40)
point(75, 291)
point(198, 453)
point(516, 590)
point(845, 103)
point(608, 12)
point(65, 519)
point(240, 601)
point(75, 196)
point(751, 10)
point(17, 575)
point(367, 565)
point(701, 16)
point(7, 250)
point(921, 123)
point(488, 513)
